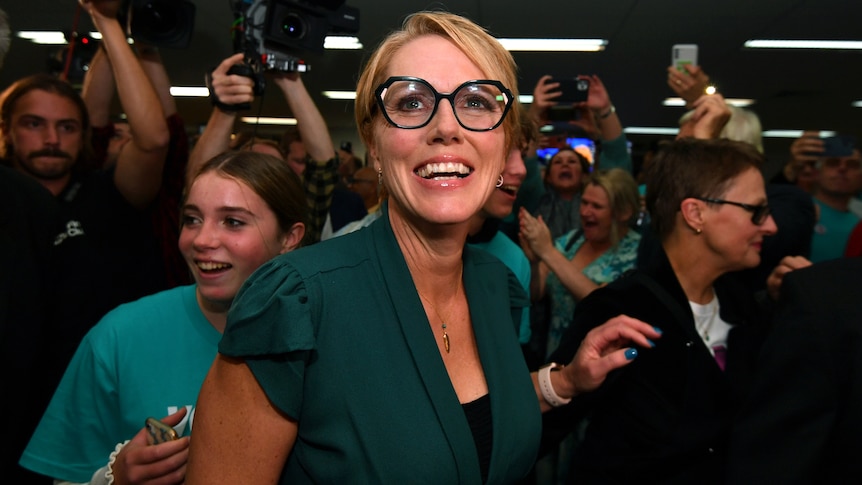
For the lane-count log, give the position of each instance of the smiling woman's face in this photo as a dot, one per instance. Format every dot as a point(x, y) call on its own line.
point(228, 231)
point(417, 163)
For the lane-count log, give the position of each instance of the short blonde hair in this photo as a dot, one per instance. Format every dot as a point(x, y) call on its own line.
point(476, 43)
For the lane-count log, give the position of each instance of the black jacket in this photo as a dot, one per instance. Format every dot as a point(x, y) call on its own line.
point(666, 417)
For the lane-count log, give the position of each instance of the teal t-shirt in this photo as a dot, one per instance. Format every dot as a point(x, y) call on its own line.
point(513, 256)
point(144, 358)
point(831, 232)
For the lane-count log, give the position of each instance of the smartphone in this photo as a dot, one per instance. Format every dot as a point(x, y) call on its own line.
point(682, 54)
point(159, 432)
point(838, 146)
point(574, 90)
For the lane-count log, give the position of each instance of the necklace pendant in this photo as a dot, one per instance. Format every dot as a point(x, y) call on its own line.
point(446, 341)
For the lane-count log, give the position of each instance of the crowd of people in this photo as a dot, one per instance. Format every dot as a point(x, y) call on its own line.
point(453, 309)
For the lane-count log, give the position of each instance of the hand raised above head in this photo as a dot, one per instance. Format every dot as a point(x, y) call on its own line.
point(104, 8)
point(545, 95)
point(710, 115)
point(231, 89)
point(598, 99)
point(688, 85)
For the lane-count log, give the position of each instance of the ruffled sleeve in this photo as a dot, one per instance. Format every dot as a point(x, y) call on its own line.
point(270, 326)
point(270, 315)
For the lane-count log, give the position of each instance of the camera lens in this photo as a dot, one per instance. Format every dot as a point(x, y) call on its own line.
point(293, 26)
point(583, 85)
point(159, 17)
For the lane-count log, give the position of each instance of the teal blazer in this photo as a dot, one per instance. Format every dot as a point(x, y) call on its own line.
point(338, 338)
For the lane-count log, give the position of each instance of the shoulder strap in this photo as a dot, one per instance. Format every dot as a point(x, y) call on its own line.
point(573, 239)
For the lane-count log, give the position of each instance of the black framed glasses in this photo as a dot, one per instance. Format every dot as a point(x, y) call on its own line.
point(410, 102)
point(759, 213)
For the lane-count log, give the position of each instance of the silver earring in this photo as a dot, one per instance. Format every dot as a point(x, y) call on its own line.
point(499, 181)
point(379, 176)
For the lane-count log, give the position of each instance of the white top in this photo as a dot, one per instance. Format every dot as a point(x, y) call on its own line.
point(711, 328)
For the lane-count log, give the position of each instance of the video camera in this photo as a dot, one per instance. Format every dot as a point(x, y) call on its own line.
point(272, 32)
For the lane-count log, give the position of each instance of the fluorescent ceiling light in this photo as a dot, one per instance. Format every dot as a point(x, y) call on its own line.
point(342, 42)
point(346, 95)
point(738, 102)
point(648, 130)
point(554, 45)
point(263, 120)
point(190, 91)
point(803, 44)
point(791, 133)
point(59, 38)
point(856, 104)
point(525, 98)
point(39, 37)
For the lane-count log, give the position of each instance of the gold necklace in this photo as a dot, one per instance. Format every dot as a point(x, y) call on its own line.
point(442, 320)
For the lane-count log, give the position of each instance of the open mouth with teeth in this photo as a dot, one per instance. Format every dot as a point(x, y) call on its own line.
point(509, 189)
point(443, 171)
point(212, 267)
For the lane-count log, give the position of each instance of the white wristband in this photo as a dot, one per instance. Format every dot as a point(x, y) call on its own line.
point(547, 389)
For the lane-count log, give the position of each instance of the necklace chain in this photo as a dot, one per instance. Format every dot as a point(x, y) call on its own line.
point(442, 321)
point(437, 312)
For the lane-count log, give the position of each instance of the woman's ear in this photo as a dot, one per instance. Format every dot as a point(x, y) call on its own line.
point(692, 213)
point(293, 238)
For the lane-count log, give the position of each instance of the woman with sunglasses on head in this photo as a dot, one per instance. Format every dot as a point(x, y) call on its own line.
point(388, 355)
point(668, 414)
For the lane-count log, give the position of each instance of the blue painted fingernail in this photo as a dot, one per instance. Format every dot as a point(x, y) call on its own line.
point(631, 353)
point(658, 330)
point(651, 343)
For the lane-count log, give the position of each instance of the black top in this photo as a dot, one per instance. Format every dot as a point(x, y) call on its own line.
point(478, 415)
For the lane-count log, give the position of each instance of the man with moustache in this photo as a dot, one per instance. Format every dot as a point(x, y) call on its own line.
point(45, 135)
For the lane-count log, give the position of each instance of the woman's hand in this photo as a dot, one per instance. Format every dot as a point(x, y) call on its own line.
point(786, 265)
point(804, 150)
point(688, 85)
point(103, 8)
point(605, 348)
point(534, 235)
point(544, 98)
point(710, 115)
point(164, 463)
point(598, 100)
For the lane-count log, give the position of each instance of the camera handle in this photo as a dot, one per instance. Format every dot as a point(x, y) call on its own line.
point(241, 70)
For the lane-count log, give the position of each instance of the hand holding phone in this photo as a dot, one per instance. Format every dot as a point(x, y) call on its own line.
point(159, 432)
point(682, 55)
point(573, 90)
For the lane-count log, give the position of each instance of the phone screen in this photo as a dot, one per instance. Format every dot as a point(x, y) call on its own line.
point(682, 54)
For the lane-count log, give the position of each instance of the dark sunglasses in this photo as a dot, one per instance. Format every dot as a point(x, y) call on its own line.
point(759, 213)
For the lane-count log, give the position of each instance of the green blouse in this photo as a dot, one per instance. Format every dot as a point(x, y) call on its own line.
point(338, 339)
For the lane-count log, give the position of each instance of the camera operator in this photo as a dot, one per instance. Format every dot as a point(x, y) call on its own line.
point(316, 167)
